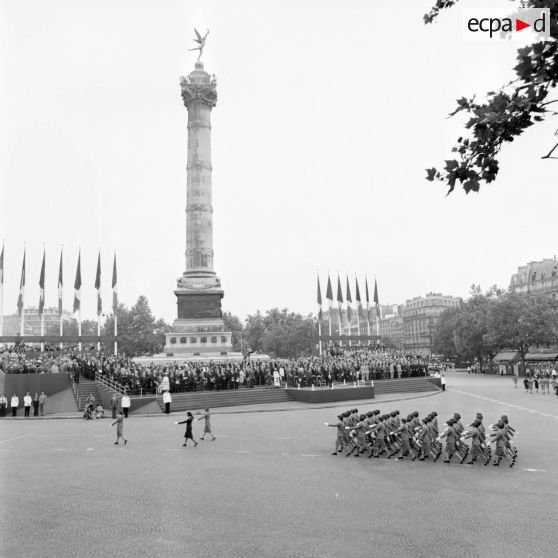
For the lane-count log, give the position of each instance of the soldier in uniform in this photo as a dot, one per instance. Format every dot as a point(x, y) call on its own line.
point(500, 439)
point(476, 447)
point(207, 426)
point(380, 445)
point(340, 440)
point(425, 439)
point(451, 437)
point(405, 435)
point(119, 428)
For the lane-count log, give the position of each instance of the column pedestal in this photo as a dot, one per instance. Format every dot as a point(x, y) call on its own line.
point(199, 329)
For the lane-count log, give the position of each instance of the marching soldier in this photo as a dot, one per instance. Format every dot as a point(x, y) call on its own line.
point(340, 440)
point(451, 437)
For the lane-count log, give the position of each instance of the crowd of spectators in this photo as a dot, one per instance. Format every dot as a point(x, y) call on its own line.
point(338, 364)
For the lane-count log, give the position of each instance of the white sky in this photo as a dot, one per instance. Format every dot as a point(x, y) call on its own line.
point(328, 113)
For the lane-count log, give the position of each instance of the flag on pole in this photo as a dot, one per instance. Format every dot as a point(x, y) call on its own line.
point(319, 301)
point(329, 298)
point(339, 296)
point(367, 298)
point(339, 305)
point(329, 292)
point(114, 287)
point(349, 303)
point(377, 300)
point(42, 287)
point(77, 286)
point(60, 286)
point(98, 286)
point(358, 299)
point(21, 287)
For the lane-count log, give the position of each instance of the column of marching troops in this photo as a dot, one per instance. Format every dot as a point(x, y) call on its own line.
point(390, 435)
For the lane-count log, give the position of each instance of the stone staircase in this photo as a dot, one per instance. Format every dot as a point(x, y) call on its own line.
point(83, 390)
point(226, 398)
point(404, 385)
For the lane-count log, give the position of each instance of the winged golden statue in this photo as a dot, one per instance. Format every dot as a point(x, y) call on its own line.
point(201, 42)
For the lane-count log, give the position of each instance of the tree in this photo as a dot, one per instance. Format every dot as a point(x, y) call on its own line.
point(443, 341)
point(233, 324)
point(504, 114)
point(255, 330)
point(463, 331)
point(518, 321)
point(138, 331)
point(281, 333)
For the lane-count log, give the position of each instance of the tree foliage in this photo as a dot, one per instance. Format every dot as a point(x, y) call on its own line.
point(138, 330)
point(504, 114)
point(281, 333)
point(233, 324)
point(520, 321)
point(496, 320)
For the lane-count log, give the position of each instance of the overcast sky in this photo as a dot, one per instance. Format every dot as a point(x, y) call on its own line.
point(328, 113)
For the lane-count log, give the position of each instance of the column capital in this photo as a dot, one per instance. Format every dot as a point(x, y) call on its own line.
point(199, 89)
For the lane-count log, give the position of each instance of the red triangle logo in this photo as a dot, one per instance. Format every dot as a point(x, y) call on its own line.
point(519, 24)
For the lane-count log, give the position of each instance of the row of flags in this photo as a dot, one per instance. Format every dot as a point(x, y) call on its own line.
point(349, 301)
point(77, 284)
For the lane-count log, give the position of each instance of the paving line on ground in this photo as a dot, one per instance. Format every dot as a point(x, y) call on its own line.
point(16, 438)
point(513, 406)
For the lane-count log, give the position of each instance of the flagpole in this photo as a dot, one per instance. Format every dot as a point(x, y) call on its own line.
point(348, 298)
point(367, 309)
point(22, 290)
point(115, 303)
point(98, 298)
point(358, 310)
point(60, 289)
point(115, 332)
point(43, 308)
point(79, 327)
point(319, 314)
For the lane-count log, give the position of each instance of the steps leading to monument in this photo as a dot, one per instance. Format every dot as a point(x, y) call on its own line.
point(83, 390)
point(403, 385)
point(227, 398)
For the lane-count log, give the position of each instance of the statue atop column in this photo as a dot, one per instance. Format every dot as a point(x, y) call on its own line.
point(201, 42)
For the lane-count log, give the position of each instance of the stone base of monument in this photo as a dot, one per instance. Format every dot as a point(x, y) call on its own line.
point(198, 337)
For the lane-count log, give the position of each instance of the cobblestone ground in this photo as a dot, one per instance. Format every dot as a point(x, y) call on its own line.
point(269, 487)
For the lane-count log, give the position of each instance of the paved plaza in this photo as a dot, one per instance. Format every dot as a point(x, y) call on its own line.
point(269, 486)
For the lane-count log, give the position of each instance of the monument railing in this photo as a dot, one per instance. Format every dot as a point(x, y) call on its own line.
point(111, 385)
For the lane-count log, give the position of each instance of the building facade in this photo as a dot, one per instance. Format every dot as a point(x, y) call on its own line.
point(32, 321)
point(392, 328)
point(420, 317)
point(537, 278)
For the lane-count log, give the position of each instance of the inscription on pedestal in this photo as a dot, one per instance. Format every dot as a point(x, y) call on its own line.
point(199, 306)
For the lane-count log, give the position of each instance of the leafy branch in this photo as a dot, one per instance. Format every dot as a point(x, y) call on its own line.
point(504, 114)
